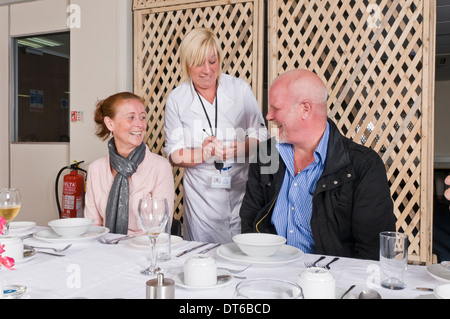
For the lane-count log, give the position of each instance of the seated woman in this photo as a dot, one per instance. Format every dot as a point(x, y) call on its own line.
point(116, 182)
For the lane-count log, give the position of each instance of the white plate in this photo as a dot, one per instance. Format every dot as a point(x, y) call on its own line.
point(285, 255)
point(179, 281)
point(20, 226)
point(439, 272)
point(142, 242)
point(50, 236)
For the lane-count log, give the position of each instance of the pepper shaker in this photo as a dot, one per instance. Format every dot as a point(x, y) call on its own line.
point(160, 288)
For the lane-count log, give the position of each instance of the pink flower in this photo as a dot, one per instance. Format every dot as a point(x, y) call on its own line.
point(7, 262)
point(2, 225)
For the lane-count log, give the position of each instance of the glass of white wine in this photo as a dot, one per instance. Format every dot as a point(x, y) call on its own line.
point(153, 217)
point(10, 202)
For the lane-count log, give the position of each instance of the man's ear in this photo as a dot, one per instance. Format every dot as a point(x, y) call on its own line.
point(306, 109)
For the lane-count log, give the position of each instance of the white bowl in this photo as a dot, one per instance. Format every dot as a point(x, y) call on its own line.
point(442, 291)
point(259, 245)
point(71, 227)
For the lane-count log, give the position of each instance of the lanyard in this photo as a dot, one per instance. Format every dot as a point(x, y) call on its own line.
point(217, 165)
point(206, 113)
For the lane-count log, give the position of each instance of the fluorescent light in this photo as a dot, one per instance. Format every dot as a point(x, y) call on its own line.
point(29, 44)
point(45, 42)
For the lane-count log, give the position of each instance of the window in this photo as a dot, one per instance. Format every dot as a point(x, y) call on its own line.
point(41, 97)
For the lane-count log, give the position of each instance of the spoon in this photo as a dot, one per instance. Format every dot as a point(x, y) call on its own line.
point(348, 290)
point(224, 278)
point(369, 294)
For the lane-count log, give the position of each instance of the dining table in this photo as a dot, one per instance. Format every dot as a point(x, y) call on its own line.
point(94, 270)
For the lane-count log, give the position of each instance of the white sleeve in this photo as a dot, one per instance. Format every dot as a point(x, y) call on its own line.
point(173, 127)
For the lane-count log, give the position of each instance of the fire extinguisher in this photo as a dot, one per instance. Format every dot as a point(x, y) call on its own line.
point(74, 185)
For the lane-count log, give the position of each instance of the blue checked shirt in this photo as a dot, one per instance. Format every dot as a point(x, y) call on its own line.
point(292, 213)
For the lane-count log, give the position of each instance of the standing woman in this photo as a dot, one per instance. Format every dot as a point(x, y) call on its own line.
point(212, 124)
point(116, 182)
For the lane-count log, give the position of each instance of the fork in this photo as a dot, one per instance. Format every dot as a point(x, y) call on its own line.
point(327, 266)
point(112, 241)
point(310, 264)
point(56, 250)
point(234, 271)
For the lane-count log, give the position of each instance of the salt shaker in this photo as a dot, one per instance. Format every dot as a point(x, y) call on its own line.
point(160, 288)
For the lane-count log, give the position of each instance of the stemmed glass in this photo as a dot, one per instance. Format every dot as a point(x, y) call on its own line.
point(10, 202)
point(153, 217)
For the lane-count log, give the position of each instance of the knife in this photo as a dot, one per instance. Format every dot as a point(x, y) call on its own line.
point(191, 249)
point(208, 249)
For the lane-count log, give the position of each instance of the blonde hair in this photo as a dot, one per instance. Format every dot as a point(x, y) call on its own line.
point(196, 47)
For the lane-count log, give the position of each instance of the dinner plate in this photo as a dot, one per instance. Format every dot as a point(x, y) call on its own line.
point(179, 281)
point(20, 226)
point(285, 255)
point(49, 235)
point(439, 272)
point(142, 242)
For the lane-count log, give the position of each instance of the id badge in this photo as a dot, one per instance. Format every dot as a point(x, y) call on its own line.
point(221, 181)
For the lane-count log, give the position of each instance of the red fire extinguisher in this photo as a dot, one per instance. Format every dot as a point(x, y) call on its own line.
point(74, 185)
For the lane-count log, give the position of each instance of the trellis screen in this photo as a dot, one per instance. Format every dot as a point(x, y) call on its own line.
point(377, 58)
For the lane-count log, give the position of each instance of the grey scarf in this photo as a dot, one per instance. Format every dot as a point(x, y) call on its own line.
point(117, 206)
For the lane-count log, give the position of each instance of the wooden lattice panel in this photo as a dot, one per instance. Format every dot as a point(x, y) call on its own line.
point(377, 60)
point(160, 26)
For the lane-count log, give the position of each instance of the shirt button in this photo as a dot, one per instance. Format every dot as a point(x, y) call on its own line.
point(291, 231)
point(295, 184)
point(292, 208)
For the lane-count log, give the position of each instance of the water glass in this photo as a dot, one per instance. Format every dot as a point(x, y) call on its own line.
point(393, 259)
point(163, 246)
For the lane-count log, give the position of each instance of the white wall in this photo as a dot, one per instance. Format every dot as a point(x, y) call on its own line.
point(101, 64)
point(4, 97)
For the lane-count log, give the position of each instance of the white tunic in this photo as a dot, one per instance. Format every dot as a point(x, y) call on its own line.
point(212, 214)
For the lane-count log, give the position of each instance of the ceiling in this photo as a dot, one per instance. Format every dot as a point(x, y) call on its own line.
point(442, 40)
point(443, 27)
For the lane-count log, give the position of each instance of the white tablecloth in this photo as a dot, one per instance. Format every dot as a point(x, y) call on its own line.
point(94, 270)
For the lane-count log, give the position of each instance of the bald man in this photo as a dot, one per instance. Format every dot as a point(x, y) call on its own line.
point(328, 194)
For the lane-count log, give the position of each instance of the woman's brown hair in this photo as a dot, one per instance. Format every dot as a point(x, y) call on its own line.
point(107, 108)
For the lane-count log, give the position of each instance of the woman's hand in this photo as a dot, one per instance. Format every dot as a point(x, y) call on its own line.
point(208, 149)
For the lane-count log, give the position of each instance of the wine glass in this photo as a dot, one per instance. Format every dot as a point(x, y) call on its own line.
point(153, 217)
point(10, 202)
